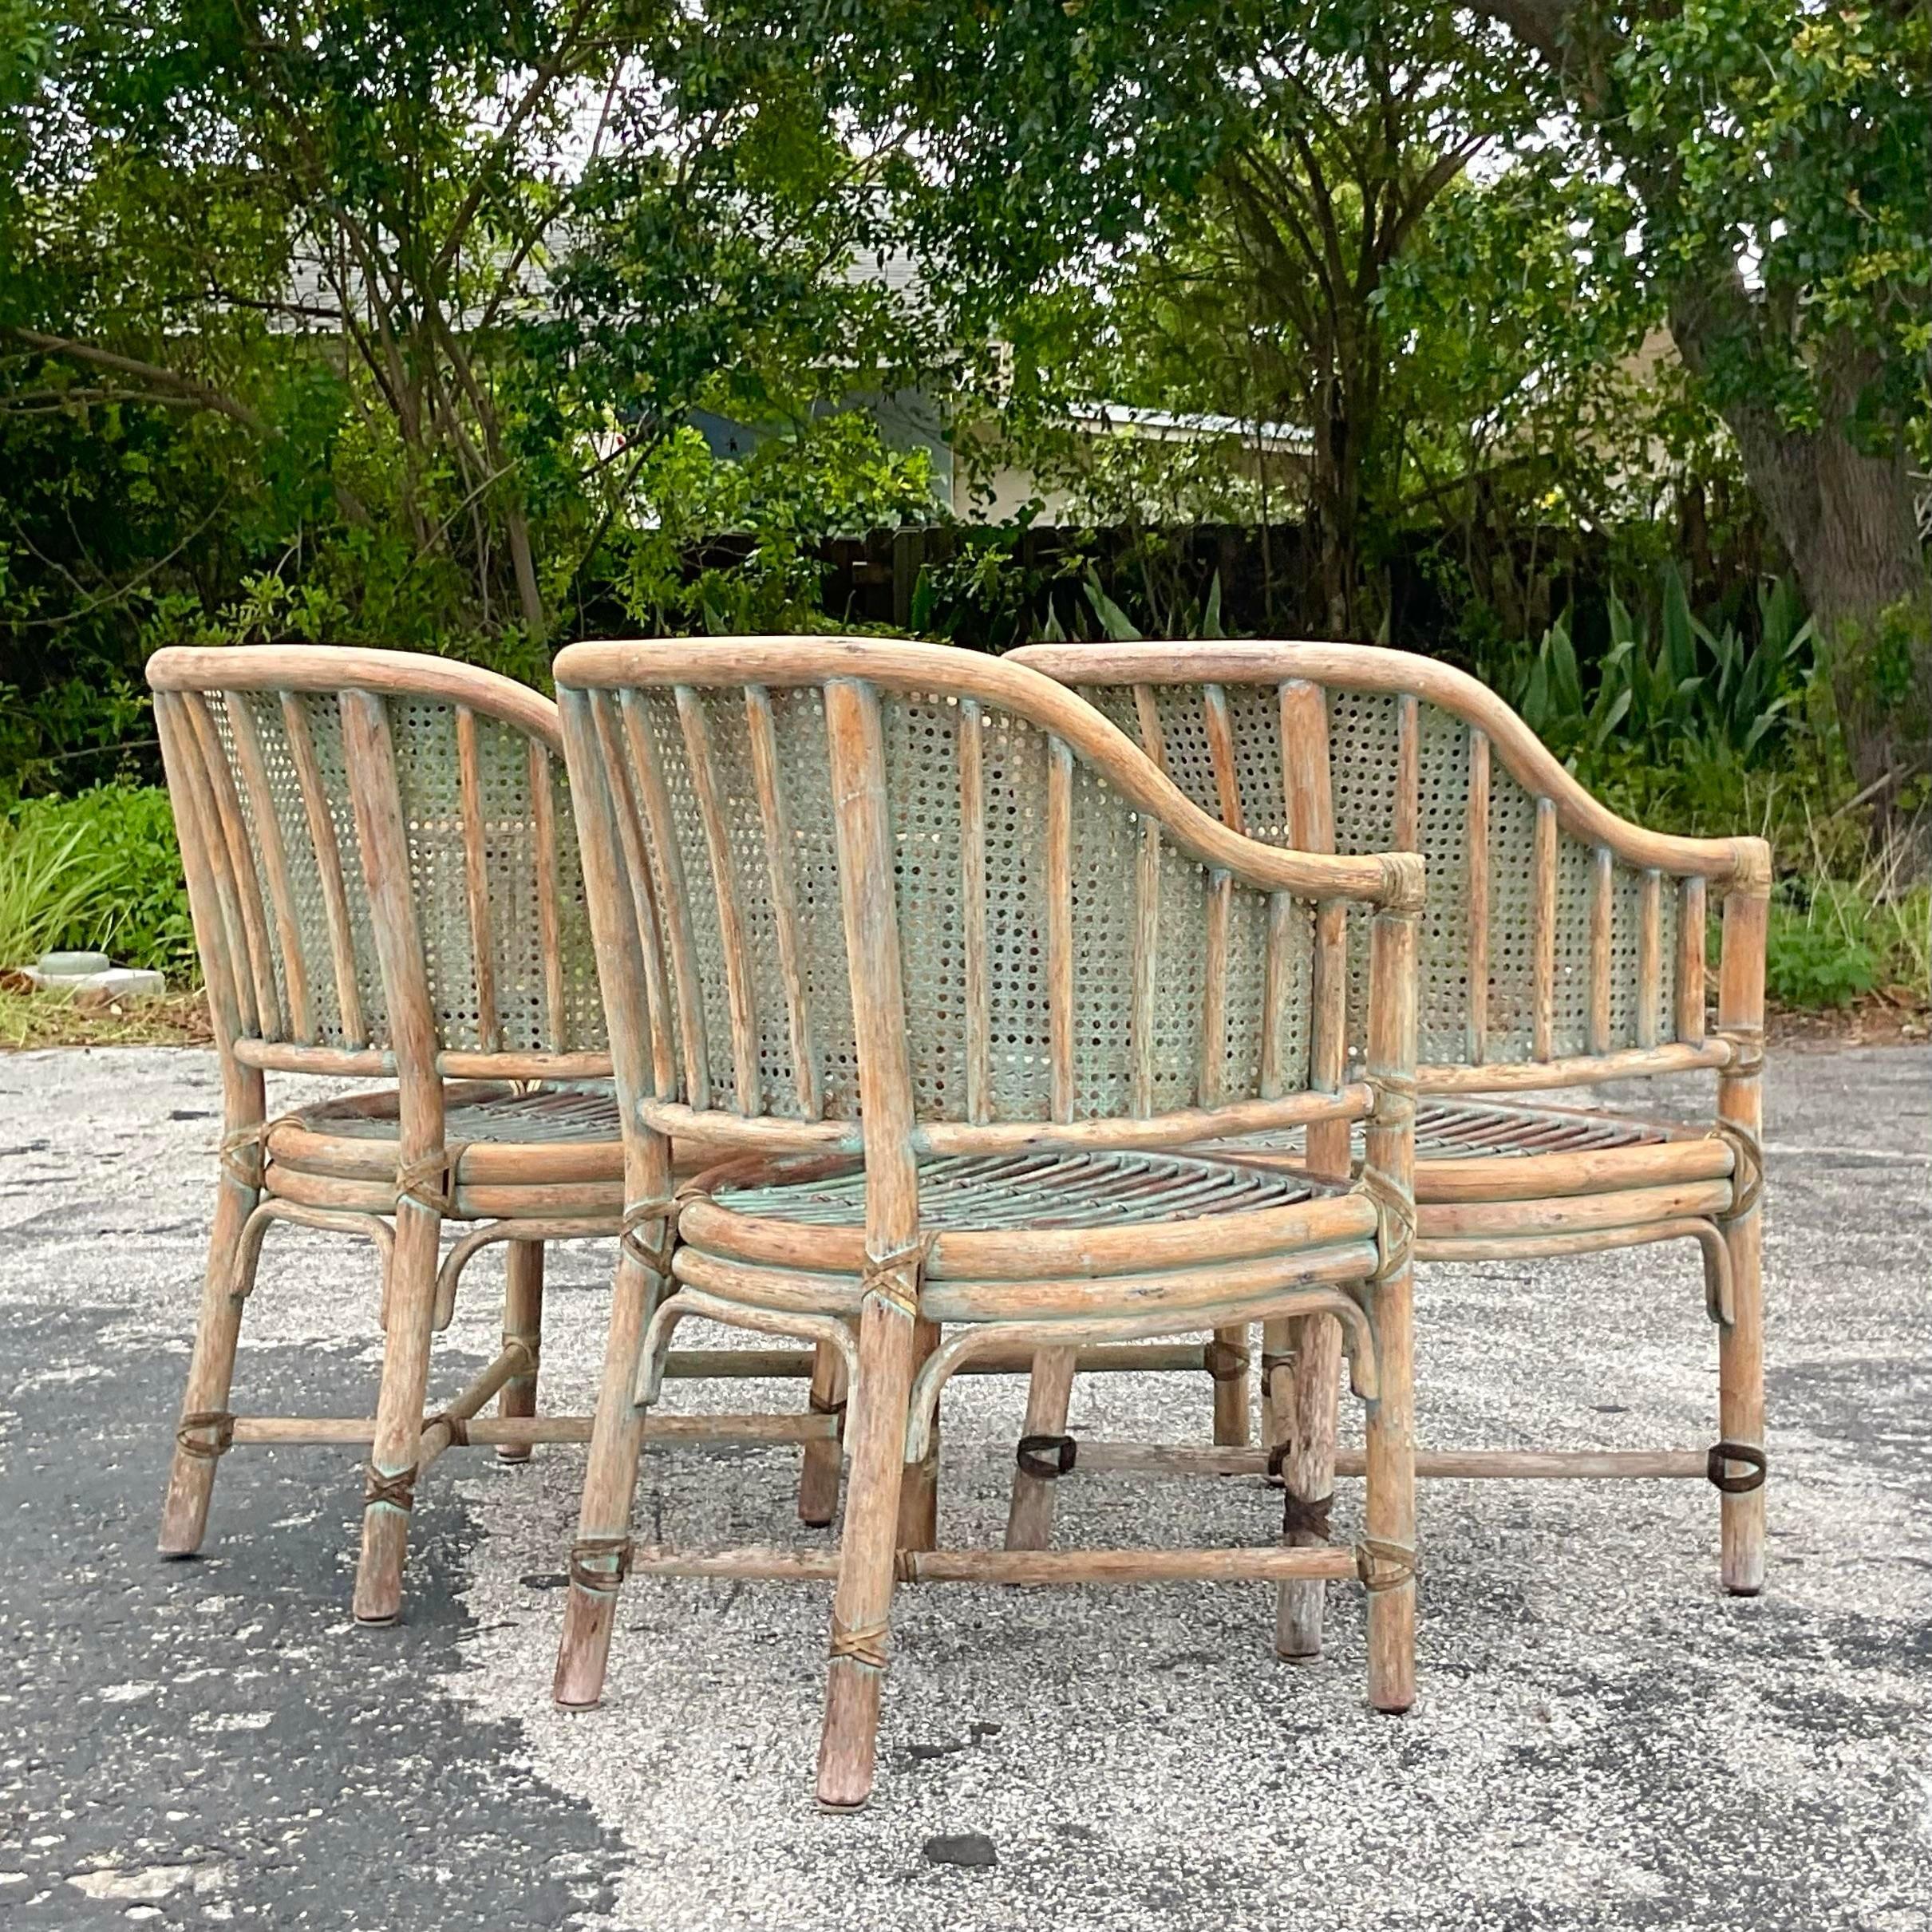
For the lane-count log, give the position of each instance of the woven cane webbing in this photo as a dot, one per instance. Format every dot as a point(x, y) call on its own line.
point(1036, 1190)
point(922, 745)
point(424, 732)
point(1364, 741)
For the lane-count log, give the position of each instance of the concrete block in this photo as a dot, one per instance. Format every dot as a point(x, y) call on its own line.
point(70, 966)
point(109, 982)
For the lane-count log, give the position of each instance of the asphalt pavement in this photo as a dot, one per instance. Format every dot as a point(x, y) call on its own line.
point(1603, 1738)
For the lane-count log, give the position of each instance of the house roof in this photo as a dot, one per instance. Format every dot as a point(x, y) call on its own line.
point(1185, 426)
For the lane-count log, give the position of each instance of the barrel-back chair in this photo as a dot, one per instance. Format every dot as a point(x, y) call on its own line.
point(1560, 947)
point(946, 962)
point(384, 882)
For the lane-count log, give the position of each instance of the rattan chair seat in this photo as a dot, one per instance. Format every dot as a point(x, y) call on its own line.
point(504, 1140)
point(1470, 1153)
point(794, 1232)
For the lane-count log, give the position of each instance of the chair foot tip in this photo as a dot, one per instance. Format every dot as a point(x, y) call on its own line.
point(1299, 1656)
point(377, 1620)
point(842, 1808)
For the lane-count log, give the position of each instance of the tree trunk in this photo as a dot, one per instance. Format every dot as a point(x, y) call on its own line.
point(1845, 515)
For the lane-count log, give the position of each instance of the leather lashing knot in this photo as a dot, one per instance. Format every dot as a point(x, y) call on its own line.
point(1747, 1045)
point(869, 1644)
point(1383, 1565)
point(1395, 1097)
point(599, 1564)
point(1395, 1222)
point(398, 1490)
point(655, 1255)
point(429, 1182)
point(894, 1279)
point(1721, 1478)
point(1307, 1516)
point(1747, 1168)
point(1047, 1457)
point(243, 1153)
point(1223, 1362)
point(206, 1433)
point(1270, 1363)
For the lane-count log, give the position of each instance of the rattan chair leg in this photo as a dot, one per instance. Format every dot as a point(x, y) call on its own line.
point(598, 1559)
point(1740, 1111)
point(862, 1603)
point(1308, 1479)
point(1389, 1506)
point(1741, 1406)
point(1231, 1389)
point(200, 1436)
point(523, 1321)
point(389, 1477)
point(1029, 1513)
point(824, 1462)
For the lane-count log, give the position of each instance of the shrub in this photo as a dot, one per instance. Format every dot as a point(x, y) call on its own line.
point(99, 871)
point(1836, 941)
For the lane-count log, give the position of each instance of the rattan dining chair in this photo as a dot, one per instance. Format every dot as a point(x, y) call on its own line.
point(1561, 946)
point(949, 963)
point(383, 881)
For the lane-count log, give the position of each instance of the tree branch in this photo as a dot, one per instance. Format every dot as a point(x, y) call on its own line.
point(188, 388)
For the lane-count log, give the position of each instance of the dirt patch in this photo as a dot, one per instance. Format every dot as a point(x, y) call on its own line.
point(29, 1019)
point(1894, 1016)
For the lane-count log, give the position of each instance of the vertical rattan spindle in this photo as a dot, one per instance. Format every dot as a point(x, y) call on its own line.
point(1692, 918)
point(423, 1179)
point(600, 1555)
point(862, 1603)
point(1602, 922)
point(1300, 1396)
point(201, 1432)
point(1478, 834)
point(1390, 1547)
point(476, 880)
point(1231, 1351)
point(1543, 930)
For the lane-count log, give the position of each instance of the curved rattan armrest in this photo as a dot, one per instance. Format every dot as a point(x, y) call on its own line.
point(1743, 863)
point(1394, 879)
point(327, 667)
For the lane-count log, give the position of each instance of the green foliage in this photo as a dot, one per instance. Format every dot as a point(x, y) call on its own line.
point(1822, 954)
point(1799, 135)
point(99, 872)
point(830, 476)
point(1836, 940)
point(1675, 691)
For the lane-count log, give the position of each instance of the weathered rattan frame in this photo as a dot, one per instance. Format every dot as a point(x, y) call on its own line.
point(635, 835)
point(274, 968)
point(1704, 1188)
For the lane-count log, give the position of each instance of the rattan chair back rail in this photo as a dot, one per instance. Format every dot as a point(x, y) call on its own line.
point(1561, 945)
point(917, 908)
